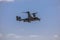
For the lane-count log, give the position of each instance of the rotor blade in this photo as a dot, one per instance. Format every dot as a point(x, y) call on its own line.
point(26, 12)
point(34, 12)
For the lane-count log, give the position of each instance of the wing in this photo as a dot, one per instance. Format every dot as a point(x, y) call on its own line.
point(26, 20)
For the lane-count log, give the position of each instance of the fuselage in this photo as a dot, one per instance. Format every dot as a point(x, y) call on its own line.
point(29, 19)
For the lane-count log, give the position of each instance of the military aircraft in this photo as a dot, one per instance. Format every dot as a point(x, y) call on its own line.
point(29, 18)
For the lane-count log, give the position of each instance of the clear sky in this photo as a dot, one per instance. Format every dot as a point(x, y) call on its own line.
point(46, 29)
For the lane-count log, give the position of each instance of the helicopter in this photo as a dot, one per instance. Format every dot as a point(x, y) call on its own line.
point(29, 18)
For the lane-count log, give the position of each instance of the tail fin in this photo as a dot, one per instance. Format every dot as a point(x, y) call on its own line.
point(18, 18)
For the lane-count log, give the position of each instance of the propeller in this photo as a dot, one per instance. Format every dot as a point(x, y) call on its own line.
point(26, 12)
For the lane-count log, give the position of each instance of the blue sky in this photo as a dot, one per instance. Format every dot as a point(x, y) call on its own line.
point(46, 29)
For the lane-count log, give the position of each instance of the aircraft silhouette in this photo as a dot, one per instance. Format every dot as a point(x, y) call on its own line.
point(29, 19)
